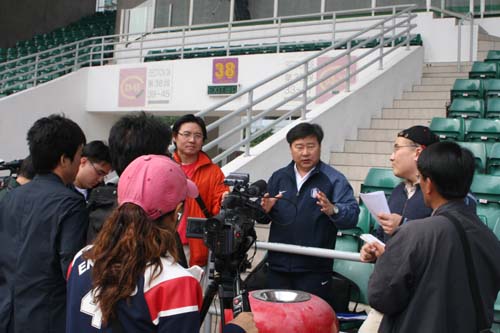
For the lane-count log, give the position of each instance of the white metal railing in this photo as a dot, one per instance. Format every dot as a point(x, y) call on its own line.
point(386, 31)
point(292, 249)
point(182, 42)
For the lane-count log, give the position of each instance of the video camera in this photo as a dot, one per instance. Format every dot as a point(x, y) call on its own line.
point(232, 232)
point(12, 166)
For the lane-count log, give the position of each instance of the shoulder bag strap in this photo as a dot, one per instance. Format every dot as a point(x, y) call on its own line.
point(473, 282)
point(200, 202)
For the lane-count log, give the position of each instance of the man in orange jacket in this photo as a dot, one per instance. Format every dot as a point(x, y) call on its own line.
point(189, 133)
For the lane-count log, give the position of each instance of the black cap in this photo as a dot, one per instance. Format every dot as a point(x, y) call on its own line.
point(421, 135)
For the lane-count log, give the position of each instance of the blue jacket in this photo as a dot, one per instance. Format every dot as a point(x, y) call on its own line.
point(297, 219)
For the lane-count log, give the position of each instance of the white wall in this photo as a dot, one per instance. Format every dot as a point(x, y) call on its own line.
point(341, 118)
point(65, 95)
point(490, 24)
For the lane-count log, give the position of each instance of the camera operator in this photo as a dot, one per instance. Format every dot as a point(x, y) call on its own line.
point(25, 174)
point(319, 201)
point(129, 278)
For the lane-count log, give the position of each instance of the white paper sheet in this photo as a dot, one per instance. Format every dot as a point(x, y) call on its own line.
point(375, 202)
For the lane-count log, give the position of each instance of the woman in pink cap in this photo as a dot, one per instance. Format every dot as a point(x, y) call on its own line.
point(129, 279)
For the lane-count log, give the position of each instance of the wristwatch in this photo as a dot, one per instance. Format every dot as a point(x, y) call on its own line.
point(335, 210)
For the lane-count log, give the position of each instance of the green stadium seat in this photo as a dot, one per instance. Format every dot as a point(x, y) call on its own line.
point(489, 213)
point(466, 108)
point(493, 162)
point(448, 128)
point(486, 130)
point(483, 70)
point(496, 231)
point(491, 88)
point(380, 179)
point(493, 56)
point(486, 188)
point(348, 240)
point(467, 88)
point(358, 272)
point(365, 223)
point(479, 151)
point(493, 108)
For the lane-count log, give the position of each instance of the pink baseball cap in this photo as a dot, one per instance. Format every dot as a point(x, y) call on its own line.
point(156, 184)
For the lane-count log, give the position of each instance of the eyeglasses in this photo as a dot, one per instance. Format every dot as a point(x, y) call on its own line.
point(396, 147)
point(100, 172)
point(187, 135)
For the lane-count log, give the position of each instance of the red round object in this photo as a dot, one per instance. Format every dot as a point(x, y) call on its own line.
point(277, 311)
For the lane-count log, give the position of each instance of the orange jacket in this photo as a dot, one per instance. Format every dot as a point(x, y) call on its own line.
point(210, 181)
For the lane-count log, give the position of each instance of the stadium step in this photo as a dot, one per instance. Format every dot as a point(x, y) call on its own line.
point(427, 95)
point(387, 123)
point(412, 113)
point(421, 104)
point(373, 145)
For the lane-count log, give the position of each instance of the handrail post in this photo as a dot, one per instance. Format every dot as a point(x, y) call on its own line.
point(76, 56)
point(381, 46)
point(348, 68)
point(482, 7)
point(183, 41)
point(229, 26)
point(248, 129)
point(459, 42)
point(442, 8)
point(471, 49)
point(374, 5)
point(279, 36)
point(304, 94)
point(408, 34)
point(334, 19)
point(140, 49)
point(36, 69)
point(393, 26)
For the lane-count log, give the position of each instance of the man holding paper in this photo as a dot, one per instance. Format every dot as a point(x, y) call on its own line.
point(406, 201)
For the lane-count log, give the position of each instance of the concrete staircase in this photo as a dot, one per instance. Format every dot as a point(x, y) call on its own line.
point(373, 146)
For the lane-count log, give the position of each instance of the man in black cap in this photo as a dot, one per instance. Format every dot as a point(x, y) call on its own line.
point(406, 201)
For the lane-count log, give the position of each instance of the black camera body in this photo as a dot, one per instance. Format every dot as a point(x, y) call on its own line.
point(231, 233)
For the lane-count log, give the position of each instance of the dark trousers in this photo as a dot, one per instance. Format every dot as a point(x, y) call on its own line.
point(317, 283)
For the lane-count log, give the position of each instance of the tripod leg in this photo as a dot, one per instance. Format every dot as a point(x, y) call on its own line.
point(210, 292)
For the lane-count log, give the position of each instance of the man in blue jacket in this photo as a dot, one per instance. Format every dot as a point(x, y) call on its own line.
point(308, 201)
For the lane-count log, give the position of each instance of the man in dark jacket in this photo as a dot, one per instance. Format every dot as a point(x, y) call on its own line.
point(42, 226)
point(308, 201)
point(420, 281)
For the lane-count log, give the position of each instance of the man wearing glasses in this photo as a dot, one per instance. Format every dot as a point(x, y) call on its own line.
point(95, 164)
point(406, 201)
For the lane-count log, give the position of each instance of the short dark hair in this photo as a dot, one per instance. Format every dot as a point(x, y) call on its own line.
point(135, 135)
point(52, 137)
point(303, 130)
point(449, 166)
point(97, 152)
point(190, 118)
point(26, 169)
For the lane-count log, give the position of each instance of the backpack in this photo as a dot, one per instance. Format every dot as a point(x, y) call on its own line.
point(102, 201)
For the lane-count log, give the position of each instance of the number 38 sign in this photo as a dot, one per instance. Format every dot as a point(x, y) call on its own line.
point(225, 70)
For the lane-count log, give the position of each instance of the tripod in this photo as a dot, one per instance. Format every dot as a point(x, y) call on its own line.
point(226, 282)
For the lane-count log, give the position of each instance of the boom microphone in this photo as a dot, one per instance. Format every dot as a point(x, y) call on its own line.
point(258, 188)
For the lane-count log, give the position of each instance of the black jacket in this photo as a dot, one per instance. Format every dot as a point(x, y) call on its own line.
point(421, 284)
point(42, 226)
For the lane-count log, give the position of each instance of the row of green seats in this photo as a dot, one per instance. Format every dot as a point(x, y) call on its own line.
point(475, 88)
point(474, 108)
point(475, 130)
point(484, 70)
point(217, 51)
